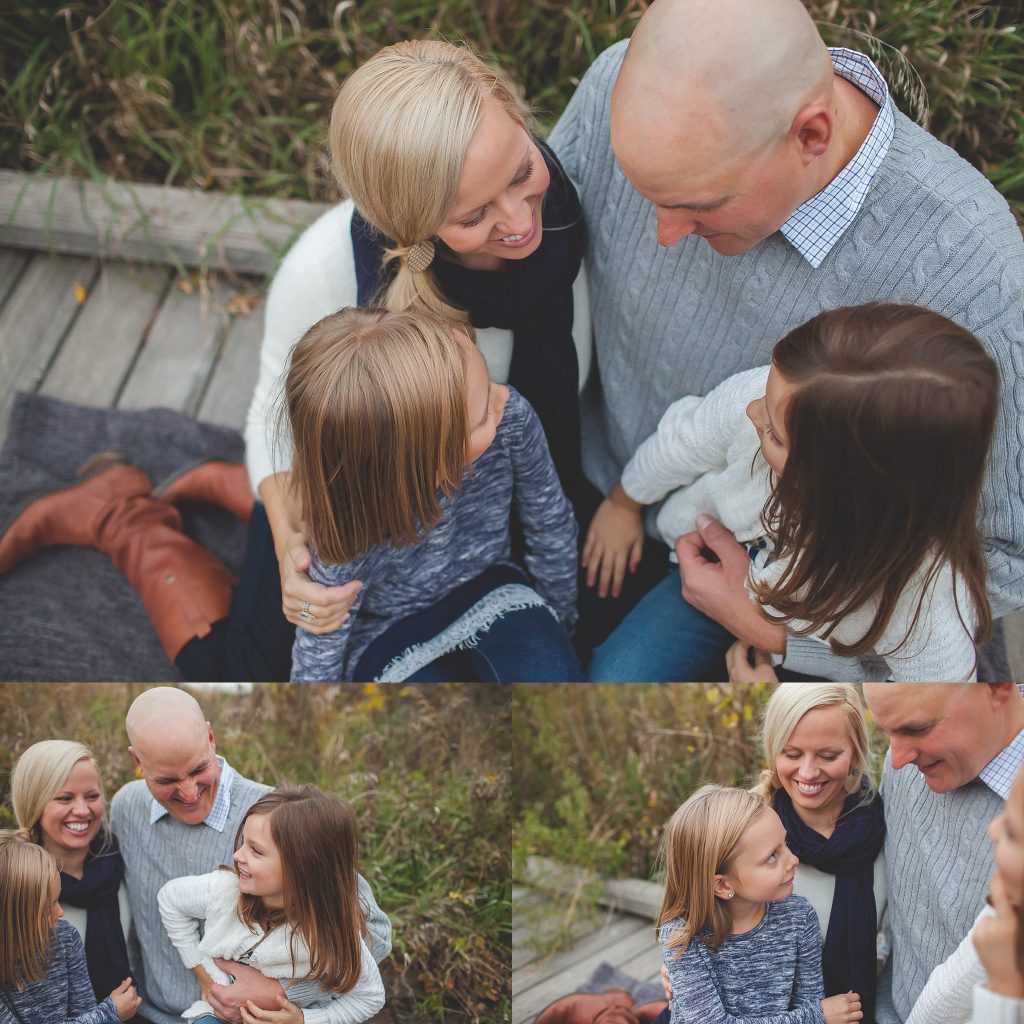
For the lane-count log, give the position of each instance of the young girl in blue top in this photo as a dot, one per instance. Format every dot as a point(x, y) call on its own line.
point(408, 464)
point(738, 945)
point(43, 974)
point(850, 474)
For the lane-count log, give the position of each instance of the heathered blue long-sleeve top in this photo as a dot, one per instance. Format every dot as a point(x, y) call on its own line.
point(515, 472)
point(65, 995)
point(769, 975)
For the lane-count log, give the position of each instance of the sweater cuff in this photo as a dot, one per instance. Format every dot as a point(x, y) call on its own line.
point(997, 1009)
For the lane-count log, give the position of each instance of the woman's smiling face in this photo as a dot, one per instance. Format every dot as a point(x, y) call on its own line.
point(497, 214)
point(815, 761)
point(71, 819)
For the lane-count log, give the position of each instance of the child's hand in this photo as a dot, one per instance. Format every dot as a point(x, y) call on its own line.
point(740, 669)
point(995, 939)
point(842, 1008)
point(615, 540)
point(125, 999)
point(289, 1013)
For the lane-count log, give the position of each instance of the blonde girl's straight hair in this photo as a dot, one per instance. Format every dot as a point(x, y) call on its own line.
point(700, 841)
point(39, 776)
point(318, 841)
point(377, 408)
point(788, 704)
point(400, 128)
point(27, 877)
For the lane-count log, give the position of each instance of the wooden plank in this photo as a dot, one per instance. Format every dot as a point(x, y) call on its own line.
point(233, 380)
point(12, 262)
point(630, 949)
point(35, 319)
point(631, 895)
point(535, 923)
point(608, 933)
point(1013, 627)
point(179, 351)
point(151, 223)
point(104, 342)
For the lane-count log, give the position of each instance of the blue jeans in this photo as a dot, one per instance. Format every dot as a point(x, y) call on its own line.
point(663, 640)
point(207, 1018)
point(525, 646)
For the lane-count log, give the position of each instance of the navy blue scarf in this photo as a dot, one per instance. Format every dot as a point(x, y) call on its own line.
point(96, 892)
point(532, 297)
point(848, 958)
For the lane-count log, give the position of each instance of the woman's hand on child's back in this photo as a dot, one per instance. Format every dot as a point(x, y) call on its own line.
point(842, 1008)
point(614, 543)
point(125, 999)
point(287, 1013)
point(996, 940)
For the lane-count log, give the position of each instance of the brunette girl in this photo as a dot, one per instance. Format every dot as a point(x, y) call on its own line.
point(850, 471)
point(409, 464)
point(43, 974)
point(290, 908)
point(737, 943)
point(58, 801)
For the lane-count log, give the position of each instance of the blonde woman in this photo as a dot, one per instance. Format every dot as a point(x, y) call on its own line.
point(817, 779)
point(455, 208)
point(58, 803)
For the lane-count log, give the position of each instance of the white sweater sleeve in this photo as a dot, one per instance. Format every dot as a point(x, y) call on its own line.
point(317, 277)
point(946, 997)
point(183, 903)
point(990, 1008)
point(692, 438)
point(361, 1001)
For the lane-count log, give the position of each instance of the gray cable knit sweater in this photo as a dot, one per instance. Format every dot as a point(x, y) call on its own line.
point(153, 855)
point(671, 322)
point(938, 861)
point(65, 995)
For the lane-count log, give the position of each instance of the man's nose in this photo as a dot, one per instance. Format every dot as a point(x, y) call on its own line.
point(901, 753)
point(673, 225)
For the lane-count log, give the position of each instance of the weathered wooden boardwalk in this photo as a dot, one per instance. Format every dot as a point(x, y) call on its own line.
point(621, 934)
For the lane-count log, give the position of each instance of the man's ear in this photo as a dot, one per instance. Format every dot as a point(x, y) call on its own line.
point(812, 130)
point(209, 732)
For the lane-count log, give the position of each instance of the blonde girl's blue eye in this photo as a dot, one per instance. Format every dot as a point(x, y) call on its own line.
point(773, 858)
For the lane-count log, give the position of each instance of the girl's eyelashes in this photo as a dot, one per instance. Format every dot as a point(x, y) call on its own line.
point(518, 180)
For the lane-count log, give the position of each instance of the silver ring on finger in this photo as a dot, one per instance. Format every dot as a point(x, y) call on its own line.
point(306, 614)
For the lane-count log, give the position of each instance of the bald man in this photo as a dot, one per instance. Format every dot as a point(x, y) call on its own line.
point(180, 819)
point(954, 749)
point(737, 179)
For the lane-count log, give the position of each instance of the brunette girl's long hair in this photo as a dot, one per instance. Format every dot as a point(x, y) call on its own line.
point(317, 839)
point(889, 427)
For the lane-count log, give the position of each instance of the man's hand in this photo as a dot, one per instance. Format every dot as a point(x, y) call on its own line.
point(328, 606)
point(250, 987)
point(615, 542)
point(718, 588)
point(995, 939)
point(286, 1013)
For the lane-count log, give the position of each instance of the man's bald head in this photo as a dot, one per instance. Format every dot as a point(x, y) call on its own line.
point(173, 745)
point(709, 104)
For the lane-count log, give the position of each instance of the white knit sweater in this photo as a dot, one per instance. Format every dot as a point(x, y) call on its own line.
point(705, 456)
point(318, 277)
point(213, 898)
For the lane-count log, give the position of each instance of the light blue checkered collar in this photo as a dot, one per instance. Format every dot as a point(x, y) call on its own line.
point(815, 226)
point(999, 772)
point(218, 816)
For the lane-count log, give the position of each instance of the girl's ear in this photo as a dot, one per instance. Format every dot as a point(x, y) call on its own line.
point(723, 888)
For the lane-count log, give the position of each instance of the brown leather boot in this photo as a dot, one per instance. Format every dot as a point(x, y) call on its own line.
point(611, 1007)
point(213, 481)
point(184, 587)
point(74, 514)
point(648, 1012)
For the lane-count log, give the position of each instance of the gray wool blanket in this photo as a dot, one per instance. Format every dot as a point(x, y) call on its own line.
point(67, 614)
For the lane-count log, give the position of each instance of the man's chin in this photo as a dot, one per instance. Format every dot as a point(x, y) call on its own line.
point(729, 245)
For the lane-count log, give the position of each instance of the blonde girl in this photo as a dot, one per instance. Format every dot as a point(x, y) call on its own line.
point(57, 796)
point(848, 475)
point(43, 974)
point(817, 779)
point(738, 945)
point(409, 464)
point(290, 908)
